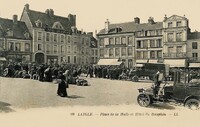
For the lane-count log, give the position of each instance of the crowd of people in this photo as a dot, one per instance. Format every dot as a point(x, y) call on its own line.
point(45, 72)
point(63, 74)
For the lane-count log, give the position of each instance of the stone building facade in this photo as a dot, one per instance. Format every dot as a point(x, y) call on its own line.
point(55, 38)
point(193, 49)
point(131, 42)
point(175, 31)
point(15, 41)
point(94, 48)
point(169, 41)
point(148, 42)
point(116, 41)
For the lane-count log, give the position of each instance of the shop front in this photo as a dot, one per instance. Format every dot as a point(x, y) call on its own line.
point(18, 58)
point(52, 59)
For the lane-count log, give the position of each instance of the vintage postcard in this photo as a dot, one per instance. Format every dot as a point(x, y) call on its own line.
point(99, 63)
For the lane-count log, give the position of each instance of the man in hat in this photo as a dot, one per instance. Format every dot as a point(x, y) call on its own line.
point(157, 82)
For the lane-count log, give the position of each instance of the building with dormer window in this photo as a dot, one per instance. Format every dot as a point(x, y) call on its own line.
point(15, 41)
point(131, 42)
point(169, 42)
point(55, 38)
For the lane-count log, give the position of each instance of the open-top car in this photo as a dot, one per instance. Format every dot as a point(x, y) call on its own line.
point(184, 89)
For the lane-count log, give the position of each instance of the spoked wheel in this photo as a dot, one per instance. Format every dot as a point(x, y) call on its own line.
point(144, 100)
point(192, 104)
point(135, 79)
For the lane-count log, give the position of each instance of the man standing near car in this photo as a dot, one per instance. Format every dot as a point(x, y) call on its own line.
point(157, 81)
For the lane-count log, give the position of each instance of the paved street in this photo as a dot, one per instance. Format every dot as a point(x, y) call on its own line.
point(26, 94)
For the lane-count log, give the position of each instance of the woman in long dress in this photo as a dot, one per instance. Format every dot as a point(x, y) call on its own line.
point(62, 91)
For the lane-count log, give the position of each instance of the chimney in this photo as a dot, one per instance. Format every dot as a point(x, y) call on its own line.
point(95, 32)
point(137, 20)
point(151, 20)
point(72, 19)
point(165, 18)
point(51, 12)
point(47, 11)
point(81, 31)
point(107, 23)
point(26, 7)
point(15, 19)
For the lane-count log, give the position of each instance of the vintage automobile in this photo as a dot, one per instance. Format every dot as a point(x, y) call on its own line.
point(185, 89)
point(147, 70)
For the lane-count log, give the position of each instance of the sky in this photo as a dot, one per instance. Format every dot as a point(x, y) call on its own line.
point(92, 14)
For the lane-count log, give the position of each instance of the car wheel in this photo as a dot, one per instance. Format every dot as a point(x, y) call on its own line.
point(144, 100)
point(135, 79)
point(192, 104)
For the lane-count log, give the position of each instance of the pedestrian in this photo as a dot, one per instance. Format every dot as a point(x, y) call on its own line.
point(62, 91)
point(41, 73)
point(157, 82)
point(90, 71)
point(95, 72)
point(66, 74)
point(48, 74)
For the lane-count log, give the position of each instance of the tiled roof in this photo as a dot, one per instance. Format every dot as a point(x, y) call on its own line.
point(194, 35)
point(19, 29)
point(48, 20)
point(132, 27)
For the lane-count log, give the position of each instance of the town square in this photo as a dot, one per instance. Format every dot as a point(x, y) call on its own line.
point(122, 60)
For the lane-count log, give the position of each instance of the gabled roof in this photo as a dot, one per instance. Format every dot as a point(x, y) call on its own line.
point(129, 27)
point(48, 20)
point(18, 29)
point(194, 35)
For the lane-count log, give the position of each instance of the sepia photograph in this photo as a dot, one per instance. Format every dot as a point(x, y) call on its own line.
point(99, 63)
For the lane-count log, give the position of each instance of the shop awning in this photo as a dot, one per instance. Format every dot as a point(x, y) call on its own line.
point(109, 62)
point(139, 65)
point(2, 59)
point(195, 65)
point(175, 62)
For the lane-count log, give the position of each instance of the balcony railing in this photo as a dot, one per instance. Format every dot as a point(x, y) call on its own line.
point(138, 47)
point(194, 59)
point(115, 45)
point(175, 55)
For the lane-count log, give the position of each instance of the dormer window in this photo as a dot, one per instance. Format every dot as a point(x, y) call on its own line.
point(26, 35)
point(10, 33)
point(57, 25)
point(38, 23)
point(118, 29)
